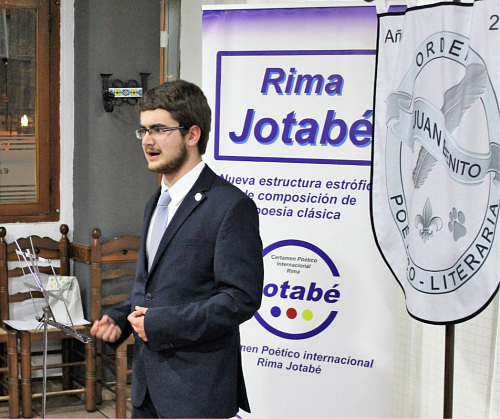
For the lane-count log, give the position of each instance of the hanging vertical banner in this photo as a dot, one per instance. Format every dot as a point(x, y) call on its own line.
point(435, 192)
point(291, 91)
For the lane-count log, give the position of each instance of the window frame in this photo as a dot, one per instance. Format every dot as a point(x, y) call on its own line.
point(47, 116)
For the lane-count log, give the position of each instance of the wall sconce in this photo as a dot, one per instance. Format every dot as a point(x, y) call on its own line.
point(121, 92)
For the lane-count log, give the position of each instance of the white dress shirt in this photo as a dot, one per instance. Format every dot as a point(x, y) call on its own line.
point(177, 194)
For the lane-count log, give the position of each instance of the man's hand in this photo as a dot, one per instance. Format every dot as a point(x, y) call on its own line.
point(136, 319)
point(106, 329)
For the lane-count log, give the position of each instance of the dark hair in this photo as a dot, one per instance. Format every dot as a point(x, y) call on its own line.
point(186, 103)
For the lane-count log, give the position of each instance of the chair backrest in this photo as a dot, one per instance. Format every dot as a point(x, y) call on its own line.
point(43, 247)
point(113, 266)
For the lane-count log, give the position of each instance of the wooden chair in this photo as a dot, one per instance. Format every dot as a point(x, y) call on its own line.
point(9, 371)
point(113, 264)
point(8, 351)
point(50, 249)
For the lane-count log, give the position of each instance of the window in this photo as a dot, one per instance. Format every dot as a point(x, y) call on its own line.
point(29, 110)
point(170, 29)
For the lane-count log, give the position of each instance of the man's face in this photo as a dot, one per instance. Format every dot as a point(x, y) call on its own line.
point(166, 152)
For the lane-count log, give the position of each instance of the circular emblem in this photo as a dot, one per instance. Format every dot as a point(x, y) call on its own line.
point(300, 292)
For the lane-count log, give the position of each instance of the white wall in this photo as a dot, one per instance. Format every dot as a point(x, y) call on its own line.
point(190, 39)
point(51, 229)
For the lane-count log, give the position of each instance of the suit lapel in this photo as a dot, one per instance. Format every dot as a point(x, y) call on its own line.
point(142, 264)
point(191, 201)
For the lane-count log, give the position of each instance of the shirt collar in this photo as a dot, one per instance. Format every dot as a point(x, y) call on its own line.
point(180, 189)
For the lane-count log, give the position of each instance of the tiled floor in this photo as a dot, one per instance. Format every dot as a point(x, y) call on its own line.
point(67, 407)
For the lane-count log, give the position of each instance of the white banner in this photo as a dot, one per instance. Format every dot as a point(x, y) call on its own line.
point(291, 91)
point(436, 156)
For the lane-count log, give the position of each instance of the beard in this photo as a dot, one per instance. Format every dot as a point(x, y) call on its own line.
point(175, 164)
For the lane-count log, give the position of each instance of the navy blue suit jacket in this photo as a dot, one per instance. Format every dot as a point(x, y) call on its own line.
point(205, 281)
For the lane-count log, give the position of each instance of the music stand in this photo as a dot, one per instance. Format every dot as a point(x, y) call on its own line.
point(32, 262)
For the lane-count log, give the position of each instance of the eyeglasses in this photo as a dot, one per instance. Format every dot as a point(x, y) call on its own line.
point(157, 132)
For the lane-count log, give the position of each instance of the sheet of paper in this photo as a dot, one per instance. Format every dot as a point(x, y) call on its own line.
point(33, 324)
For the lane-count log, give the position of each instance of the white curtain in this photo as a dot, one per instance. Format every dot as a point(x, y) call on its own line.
point(418, 384)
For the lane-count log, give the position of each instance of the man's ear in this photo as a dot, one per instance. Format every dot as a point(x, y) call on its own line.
point(193, 136)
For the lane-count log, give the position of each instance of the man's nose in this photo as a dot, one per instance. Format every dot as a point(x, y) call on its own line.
point(147, 138)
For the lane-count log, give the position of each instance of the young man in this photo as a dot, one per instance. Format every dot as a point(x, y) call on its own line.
point(205, 278)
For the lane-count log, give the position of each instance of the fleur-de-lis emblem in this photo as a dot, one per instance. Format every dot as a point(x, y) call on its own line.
point(426, 223)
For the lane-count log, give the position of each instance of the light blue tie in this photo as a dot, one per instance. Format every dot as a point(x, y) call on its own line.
point(159, 226)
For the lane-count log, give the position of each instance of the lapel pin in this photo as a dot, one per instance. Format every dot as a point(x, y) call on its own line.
point(198, 197)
